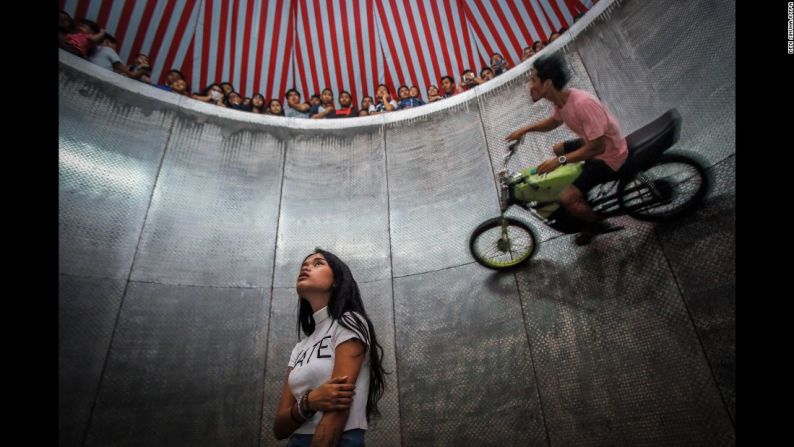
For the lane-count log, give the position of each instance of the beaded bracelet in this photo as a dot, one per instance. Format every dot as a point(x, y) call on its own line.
point(303, 406)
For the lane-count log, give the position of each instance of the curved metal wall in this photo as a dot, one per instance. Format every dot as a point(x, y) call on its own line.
point(182, 227)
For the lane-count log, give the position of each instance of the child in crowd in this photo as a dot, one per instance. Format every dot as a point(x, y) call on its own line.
point(84, 38)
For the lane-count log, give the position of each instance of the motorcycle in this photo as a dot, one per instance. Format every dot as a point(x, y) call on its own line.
point(651, 185)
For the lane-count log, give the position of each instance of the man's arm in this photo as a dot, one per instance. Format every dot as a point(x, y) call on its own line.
point(300, 107)
point(589, 150)
point(387, 105)
point(586, 152)
point(97, 38)
point(544, 125)
point(121, 68)
point(324, 113)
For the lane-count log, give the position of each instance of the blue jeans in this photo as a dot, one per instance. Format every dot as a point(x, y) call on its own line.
point(350, 438)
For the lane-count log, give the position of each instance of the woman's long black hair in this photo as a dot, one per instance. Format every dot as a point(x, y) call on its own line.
point(345, 297)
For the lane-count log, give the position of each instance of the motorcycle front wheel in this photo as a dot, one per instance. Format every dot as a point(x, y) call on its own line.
point(502, 243)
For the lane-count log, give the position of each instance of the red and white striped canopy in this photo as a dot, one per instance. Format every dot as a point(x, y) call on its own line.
point(268, 46)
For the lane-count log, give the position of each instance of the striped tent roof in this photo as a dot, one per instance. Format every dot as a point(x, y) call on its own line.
point(268, 46)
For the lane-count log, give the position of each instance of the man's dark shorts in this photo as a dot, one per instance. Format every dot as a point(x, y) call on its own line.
point(594, 171)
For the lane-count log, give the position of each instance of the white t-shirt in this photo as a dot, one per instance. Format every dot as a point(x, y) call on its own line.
point(105, 57)
point(289, 112)
point(312, 361)
point(375, 107)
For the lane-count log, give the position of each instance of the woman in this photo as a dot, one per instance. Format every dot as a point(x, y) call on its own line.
point(258, 103)
point(275, 107)
point(212, 94)
point(498, 64)
point(234, 101)
point(432, 94)
point(335, 376)
point(180, 87)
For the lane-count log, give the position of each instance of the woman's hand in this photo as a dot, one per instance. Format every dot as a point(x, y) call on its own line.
point(333, 395)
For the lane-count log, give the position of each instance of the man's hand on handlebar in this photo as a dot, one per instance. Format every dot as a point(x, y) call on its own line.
point(515, 136)
point(548, 166)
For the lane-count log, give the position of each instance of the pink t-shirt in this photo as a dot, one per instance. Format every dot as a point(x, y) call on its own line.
point(80, 41)
point(584, 114)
